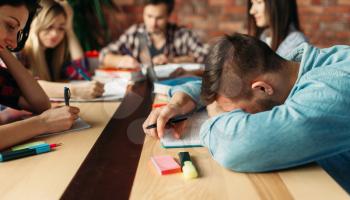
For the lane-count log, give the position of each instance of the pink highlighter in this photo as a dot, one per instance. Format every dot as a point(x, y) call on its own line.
point(165, 165)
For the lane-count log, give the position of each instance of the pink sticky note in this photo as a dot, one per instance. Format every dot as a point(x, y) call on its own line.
point(165, 165)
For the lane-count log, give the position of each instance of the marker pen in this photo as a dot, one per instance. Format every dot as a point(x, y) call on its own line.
point(188, 169)
point(38, 149)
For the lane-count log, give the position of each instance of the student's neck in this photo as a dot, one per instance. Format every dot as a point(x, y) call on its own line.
point(290, 72)
point(158, 39)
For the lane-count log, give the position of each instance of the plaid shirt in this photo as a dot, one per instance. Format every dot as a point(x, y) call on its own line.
point(9, 90)
point(179, 42)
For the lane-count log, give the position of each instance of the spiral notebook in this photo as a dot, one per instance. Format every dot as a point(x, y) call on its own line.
point(190, 138)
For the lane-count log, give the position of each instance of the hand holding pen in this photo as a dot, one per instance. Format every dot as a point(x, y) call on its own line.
point(161, 118)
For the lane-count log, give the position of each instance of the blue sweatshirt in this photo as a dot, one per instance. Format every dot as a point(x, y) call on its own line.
point(312, 124)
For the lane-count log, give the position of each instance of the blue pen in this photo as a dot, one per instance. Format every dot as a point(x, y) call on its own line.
point(85, 76)
point(66, 93)
point(38, 149)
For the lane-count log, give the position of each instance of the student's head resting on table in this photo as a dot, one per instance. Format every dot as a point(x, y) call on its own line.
point(276, 23)
point(18, 88)
point(268, 113)
point(241, 72)
point(54, 54)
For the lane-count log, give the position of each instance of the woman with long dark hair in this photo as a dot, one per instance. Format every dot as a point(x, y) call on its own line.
point(18, 88)
point(276, 23)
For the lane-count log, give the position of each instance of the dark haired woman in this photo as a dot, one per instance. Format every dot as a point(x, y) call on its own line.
point(18, 89)
point(276, 23)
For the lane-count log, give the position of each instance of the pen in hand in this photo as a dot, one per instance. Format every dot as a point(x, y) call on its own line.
point(66, 95)
point(171, 121)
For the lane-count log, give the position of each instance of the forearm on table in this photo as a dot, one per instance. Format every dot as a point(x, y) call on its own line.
point(183, 59)
point(183, 101)
point(13, 133)
point(112, 59)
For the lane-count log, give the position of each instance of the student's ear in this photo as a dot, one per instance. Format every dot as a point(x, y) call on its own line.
point(261, 86)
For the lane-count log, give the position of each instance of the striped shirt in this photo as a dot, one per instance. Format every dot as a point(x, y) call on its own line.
point(179, 42)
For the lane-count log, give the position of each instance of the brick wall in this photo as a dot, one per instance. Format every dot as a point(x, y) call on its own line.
point(325, 22)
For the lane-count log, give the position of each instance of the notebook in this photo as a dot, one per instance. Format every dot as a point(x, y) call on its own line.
point(115, 90)
point(163, 87)
point(190, 138)
point(78, 125)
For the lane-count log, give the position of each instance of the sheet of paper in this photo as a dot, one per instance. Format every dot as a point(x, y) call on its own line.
point(78, 125)
point(190, 138)
point(115, 90)
point(164, 71)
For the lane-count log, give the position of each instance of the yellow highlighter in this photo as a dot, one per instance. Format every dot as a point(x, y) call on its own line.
point(188, 169)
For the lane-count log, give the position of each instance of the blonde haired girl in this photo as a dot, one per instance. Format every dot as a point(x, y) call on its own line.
point(52, 47)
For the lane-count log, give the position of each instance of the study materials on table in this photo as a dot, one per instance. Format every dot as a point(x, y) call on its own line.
point(171, 121)
point(26, 145)
point(163, 87)
point(78, 125)
point(189, 171)
point(165, 165)
point(21, 153)
point(113, 72)
point(164, 71)
point(115, 89)
point(190, 137)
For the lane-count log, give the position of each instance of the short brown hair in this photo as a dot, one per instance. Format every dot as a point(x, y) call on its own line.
point(169, 3)
point(232, 62)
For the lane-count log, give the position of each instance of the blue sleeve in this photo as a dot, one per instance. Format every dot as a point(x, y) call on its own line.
point(192, 89)
point(304, 129)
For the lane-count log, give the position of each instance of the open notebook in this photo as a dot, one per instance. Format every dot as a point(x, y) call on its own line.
point(78, 125)
point(115, 89)
point(190, 138)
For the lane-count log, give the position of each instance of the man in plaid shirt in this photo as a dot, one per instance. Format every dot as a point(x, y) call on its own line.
point(166, 42)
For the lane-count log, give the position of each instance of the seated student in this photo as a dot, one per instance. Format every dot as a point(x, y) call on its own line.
point(53, 44)
point(18, 89)
point(270, 113)
point(166, 42)
point(276, 23)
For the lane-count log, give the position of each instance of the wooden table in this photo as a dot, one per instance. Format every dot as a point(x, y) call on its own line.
point(46, 176)
point(215, 182)
point(111, 161)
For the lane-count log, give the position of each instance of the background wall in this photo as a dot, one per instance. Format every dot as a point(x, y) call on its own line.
point(325, 22)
